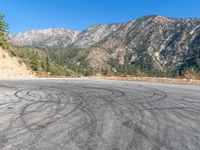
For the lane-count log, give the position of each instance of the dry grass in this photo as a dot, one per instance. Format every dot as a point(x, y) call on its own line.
point(151, 79)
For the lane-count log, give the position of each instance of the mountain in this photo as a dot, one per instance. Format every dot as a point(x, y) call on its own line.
point(96, 33)
point(63, 37)
point(152, 40)
point(151, 44)
point(48, 37)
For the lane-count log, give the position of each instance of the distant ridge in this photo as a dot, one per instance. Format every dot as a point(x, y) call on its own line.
point(150, 43)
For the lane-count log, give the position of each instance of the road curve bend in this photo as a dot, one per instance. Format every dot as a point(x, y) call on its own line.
point(98, 115)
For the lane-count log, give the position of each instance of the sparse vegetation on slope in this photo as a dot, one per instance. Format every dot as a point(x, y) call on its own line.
point(153, 46)
point(35, 59)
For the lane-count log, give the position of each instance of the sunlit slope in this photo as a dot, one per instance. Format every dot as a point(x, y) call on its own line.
point(12, 67)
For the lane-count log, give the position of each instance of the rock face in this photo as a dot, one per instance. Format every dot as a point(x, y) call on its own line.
point(63, 37)
point(49, 37)
point(155, 41)
point(96, 33)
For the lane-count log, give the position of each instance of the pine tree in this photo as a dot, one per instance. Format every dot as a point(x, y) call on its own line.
point(34, 63)
point(47, 64)
point(3, 29)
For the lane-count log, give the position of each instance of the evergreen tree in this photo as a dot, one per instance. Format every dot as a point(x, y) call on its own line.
point(47, 64)
point(3, 30)
point(34, 63)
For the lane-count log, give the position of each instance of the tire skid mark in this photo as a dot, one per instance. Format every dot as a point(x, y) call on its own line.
point(145, 116)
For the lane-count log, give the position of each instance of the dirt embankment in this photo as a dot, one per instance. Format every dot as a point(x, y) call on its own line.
point(12, 67)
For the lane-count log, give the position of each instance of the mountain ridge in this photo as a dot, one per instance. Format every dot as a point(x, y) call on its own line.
point(48, 37)
point(149, 43)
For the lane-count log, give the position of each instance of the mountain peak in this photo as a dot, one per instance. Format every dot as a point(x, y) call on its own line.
point(46, 37)
point(159, 18)
point(156, 18)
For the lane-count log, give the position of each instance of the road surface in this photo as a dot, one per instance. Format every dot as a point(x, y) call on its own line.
point(98, 115)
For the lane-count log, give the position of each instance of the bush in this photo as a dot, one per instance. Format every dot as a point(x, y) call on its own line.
point(190, 73)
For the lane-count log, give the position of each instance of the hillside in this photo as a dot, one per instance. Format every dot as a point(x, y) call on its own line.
point(153, 41)
point(154, 45)
point(12, 67)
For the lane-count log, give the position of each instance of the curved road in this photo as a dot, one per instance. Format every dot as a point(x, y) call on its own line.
point(98, 115)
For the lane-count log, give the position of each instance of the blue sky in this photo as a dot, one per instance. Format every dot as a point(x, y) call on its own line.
point(24, 15)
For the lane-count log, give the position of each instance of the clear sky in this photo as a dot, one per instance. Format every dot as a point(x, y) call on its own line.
point(24, 15)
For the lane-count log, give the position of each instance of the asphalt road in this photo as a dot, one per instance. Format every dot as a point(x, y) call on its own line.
point(98, 115)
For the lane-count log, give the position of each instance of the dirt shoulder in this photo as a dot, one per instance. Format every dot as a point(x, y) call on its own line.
point(151, 79)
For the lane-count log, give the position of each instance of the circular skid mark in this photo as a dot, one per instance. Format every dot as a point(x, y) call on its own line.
point(148, 95)
point(48, 111)
point(84, 134)
point(104, 92)
point(93, 118)
point(46, 104)
point(51, 110)
point(31, 95)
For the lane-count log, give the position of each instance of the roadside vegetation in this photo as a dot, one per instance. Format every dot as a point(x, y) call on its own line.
point(35, 59)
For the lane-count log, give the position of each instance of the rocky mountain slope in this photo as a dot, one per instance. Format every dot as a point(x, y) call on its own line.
point(48, 37)
point(149, 43)
point(63, 37)
point(12, 67)
point(95, 34)
point(152, 41)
